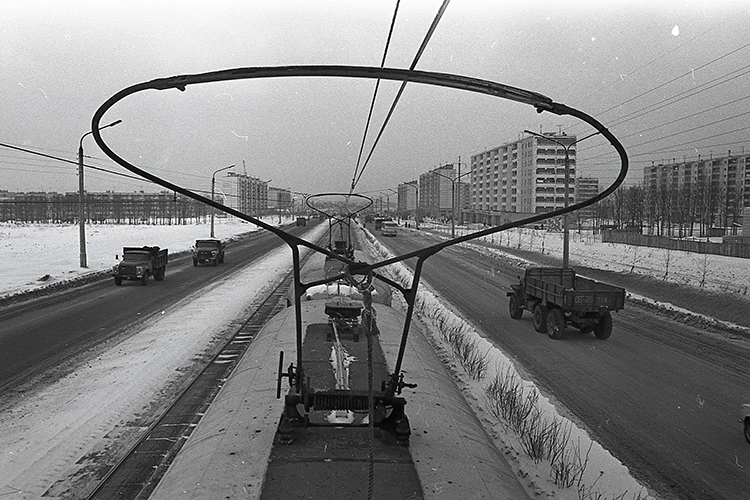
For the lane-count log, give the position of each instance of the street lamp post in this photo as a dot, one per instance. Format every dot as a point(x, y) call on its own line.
point(81, 200)
point(416, 206)
point(213, 185)
point(453, 200)
point(566, 226)
point(387, 201)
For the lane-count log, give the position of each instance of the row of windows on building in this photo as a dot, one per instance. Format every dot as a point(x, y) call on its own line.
point(725, 177)
point(244, 193)
point(528, 175)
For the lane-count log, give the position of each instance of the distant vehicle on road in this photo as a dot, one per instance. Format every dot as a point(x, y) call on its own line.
point(389, 228)
point(210, 250)
point(138, 263)
point(301, 221)
point(557, 297)
point(745, 419)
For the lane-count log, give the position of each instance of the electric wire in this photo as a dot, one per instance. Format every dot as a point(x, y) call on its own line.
point(374, 96)
point(65, 160)
point(92, 167)
point(658, 58)
point(420, 51)
point(673, 100)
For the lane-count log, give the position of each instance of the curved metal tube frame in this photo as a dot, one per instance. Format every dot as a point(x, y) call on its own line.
point(539, 101)
point(334, 218)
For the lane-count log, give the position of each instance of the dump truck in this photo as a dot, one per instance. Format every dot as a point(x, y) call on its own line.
point(138, 263)
point(558, 297)
point(210, 250)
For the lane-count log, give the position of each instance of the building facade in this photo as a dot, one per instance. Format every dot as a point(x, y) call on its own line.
point(408, 193)
point(437, 189)
point(107, 207)
point(245, 193)
point(719, 186)
point(529, 175)
point(585, 189)
point(279, 200)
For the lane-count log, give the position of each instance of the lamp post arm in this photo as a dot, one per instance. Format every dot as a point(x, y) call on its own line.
point(213, 183)
point(81, 198)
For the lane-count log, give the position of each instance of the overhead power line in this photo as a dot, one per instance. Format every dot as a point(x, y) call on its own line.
point(420, 51)
point(374, 96)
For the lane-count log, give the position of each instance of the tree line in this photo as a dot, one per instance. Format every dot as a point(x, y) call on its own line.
point(103, 208)
point(673, 210)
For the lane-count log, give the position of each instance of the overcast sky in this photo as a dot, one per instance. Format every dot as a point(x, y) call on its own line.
point(669, 78)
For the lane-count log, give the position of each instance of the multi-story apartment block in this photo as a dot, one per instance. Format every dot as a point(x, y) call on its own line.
point(721, 184)
point(279, 200)
point(408, 192)
point(585, 189)
point(527, 175)
point(437, 189)
point(247, 194)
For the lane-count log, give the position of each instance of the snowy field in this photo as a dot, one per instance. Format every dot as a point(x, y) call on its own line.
point(38, 255)
point(713, 272)
point(40, 444)
point(34, 256)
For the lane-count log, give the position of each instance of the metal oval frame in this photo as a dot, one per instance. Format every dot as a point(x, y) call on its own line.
point(539, 101)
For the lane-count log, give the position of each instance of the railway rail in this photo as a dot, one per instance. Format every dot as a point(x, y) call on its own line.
point(138, 472)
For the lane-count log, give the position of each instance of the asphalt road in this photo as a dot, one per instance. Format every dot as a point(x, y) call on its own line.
point(661, 396)
point(39, 335)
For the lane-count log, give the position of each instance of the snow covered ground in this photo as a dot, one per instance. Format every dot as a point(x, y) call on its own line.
point(45, 433)
point(34, 256)
point(51, 433)
point(603, 476)
point(38, 255)
point(713, 272)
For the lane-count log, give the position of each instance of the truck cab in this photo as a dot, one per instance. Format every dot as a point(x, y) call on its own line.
point(210, 250)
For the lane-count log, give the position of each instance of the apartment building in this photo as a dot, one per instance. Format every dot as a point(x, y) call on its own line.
point(526, 176)
point(720, 185)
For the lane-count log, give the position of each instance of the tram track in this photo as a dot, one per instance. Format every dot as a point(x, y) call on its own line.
point(138, 472)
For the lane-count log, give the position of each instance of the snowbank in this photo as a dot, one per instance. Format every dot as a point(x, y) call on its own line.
point(39, 255)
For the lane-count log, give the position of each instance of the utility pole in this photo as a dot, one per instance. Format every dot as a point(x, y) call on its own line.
point(81, 198)
point(566, 227)
point(213, 184)
point(453, 200)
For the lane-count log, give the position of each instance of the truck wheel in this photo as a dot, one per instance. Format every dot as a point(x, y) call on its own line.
point(118, 281)
point(515, 310)
point(216, 261)
point(539, 316)
point(555, 323)
point(159, 275)
point(603, 329)
point(144, 279)
point(747, 429)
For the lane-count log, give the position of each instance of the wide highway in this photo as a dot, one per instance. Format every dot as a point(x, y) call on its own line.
point(661, 396)
point(39, 335)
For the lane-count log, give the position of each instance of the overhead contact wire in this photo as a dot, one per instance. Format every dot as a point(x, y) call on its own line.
point(374, 96)
point(421, 50)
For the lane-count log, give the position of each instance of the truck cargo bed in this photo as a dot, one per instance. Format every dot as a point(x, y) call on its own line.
point(565, 289)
